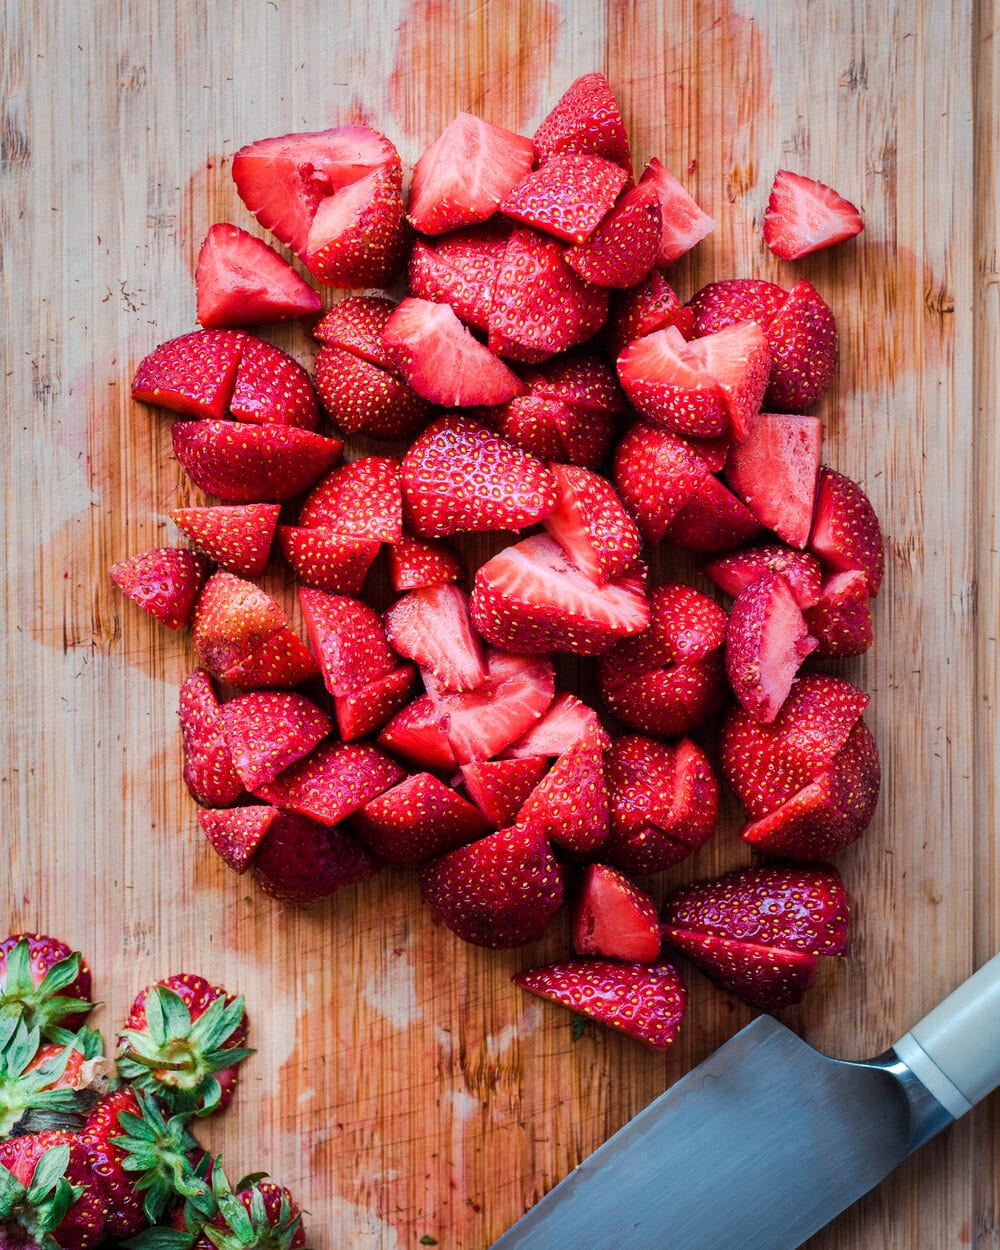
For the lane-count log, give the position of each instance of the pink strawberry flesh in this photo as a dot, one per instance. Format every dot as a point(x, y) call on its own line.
point(613, 918)
point(241, 281)
point(684, 222)
point(432, 626)
point(591, 525)
point(734, 572)
point(774, 471)
point(565, 721)
point(767, 640)
point(804, 215)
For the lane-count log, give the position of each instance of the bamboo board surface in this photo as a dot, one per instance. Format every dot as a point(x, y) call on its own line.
point(402, 1086)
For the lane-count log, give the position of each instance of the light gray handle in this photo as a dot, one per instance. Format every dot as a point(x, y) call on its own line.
point(955, 1049)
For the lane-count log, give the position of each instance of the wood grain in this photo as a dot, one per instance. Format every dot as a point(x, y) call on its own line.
point(401, 1085)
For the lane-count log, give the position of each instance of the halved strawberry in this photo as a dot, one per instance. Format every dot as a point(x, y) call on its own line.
point(193, 374)
point(841, 620)
point(267, 730)
point(656, 473)
point(586, 118)
point(362, 499)
point(359, 235)
point(465, 174)
point(499, 891)
point(664, 803)
point(364, 711)
point(612, 917)
point(566, 196)
point(846, 533)
point(281, 661)
point(651, 305)
point(774, 471)
point(500, 787)
point(623, 248)
point(327, 560)
point(163, 582)
point(684, 222)
point(766, 641)
point(234, 833)
point(418, 819)
point(300, 862)
point(232, 618)
point(271, 387)
point(208, 773)
point(712, 519)
point(433, 627)
point(241, 281)
point(348, 639)
point(458, 475)
point(646, 1001)
point(530, 598)
point(460, 269)
point(804, 216)
point(570, 803)
point(591, 525)
point(243, 463)
point(332, 781)
point(736, 571)
point(416, 562)
point(564, 723)
point(237, 537)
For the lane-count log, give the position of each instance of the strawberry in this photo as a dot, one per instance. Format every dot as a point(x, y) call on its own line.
point(668, 679)
point(650, 305)
point(624, 246)
point(708, 387)
point(804, 216)
point(279, 663)
point(441, 360)
point(272, 388)
point(664, 803)
point(193, 375)
point(348, 639)
point(728, 301)
point(570, 804)
point(591, 525)
point(759, 931)
point(458, 475)
point(586, 118)
point(416, 820)
point(237, 537)
point(418, 733)
point(500, 891)
point(258, 1214)
point(332, 781)
point(209, 773)
point(267, 730)
point(241, 281)
point(365, 710)
point(124, 1198)
point(774, 471)
point(465, 174)
point(460, 269)
point(840, 620)
point(683, 222)
point(355, 324)
point(300, 861)
point(767, 639)
point(49, 1196)
point(231, 619)
point(235, 833)
point(712, 519)
point(163, 582)
point(736, 571)
point(41, 1083)
point(183, 1042)
point(327, 560)
point(244, 463)
point(846, 533)
point(432, 626)
point(500, 787)
point(613, 918)
point(283, 181)
point(540, 305)
point(359, 236)
point(418, 562)
point(656, 473)
point(44, 983)
point(646, 1001)
point(564, 722)
point(566, 196)
point(362, 499)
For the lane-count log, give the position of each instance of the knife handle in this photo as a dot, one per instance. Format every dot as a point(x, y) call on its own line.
point(955, 1048)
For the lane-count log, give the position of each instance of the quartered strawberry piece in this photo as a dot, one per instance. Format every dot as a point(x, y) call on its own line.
point(267, 730)
point(736, 571)
point(652, 304)
point(728, 301)
point(846, 533)
point(416, 562)
point(840, 619)
point(586, 118)
point(237, 537)
point(193, 375)
point(231, 619)
point(591, 525)
point(774, 471)
point(767, 640)
point(272, 387)
point(234, 833)
point(646, 1001)
point(348, 639)
point(432, 626)
point(355, 323)
point(460, 269)
point(613, 918)
point(241, 281)
point(623, 247)
point(326, 560)
point(500, 787)
point(500, 891)
point(802, 336)
point(712, 519)
point(163, 582)
point(280, 662)
point(530, 598)
point(361, 499)
point(766, 977)
point(359, 235)
point(243, 463)
point(208, 771)
point(804, 216)
point(570, 803)
point(566, 196)
point(418, 819)
point(564, 723)
point(465, 174)
point(656, 473)
point(300, 862)
point(363, 711)
point(332, 781)
point(684, 222)
point(418, 733)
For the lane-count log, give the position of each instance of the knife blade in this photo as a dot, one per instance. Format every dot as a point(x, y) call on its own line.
point(767, 1140)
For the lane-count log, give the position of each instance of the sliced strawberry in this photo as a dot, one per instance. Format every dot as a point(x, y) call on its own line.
point(193, 375)
point(540, 305)
point(362, 499)
point(651, 305)
point(570, 804)
point(271, 387)
point(235, 832)
point(684, 222)
point(163, 582)
point(332, 781)
point(418, 819)
point(267, 730)
point(365, 710)
point(417, 562)
point(656, 473)
point(243, 463)
point(327, 560)
point(646, 1001)
point(418, 733)
point(240, 281)
point(465, 174)
point(774, 471)
point(802, 336)
point(441, 360)
point(232, 618)
point(712, 519)
point(458, 475)
point(356, 324)
point(300, 862)
point(530, 598)
point(841, 620)
point(591, 525)
point(586, 118)
point(736, 571)
point(348, 639)
point(283, 180)
point(664, 803)
point(612, 917)
point(283, 660)
point(499, 788)
point(359, 235)
point(433, 627)
point(580, 380)
point(209, 773)
point(237, 537)
point(804, 216)
point(623, 248)
point(766, 641)
point(767, 977)
point(566, 196)
point(460, 269)
point(731, 300)
point(363, 398)
point(499, 891)
point(846, 533)
point(564, 723)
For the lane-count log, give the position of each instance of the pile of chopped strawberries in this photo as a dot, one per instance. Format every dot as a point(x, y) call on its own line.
point(98, 1149)
point(540, 378)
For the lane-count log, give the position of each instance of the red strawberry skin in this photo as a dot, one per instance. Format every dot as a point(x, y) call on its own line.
point(586, 118)
point(193, 375)
point(418, 819)
point(163, 582)
point(209, 773)
point(300, 862)
point(83, 1224)
point(124, 1215)
point(846, 533)
point(243, 463)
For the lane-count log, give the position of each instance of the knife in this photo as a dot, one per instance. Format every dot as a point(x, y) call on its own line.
point(767, 1140)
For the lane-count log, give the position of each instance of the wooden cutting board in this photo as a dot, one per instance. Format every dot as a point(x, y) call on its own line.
point(403, 1088)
